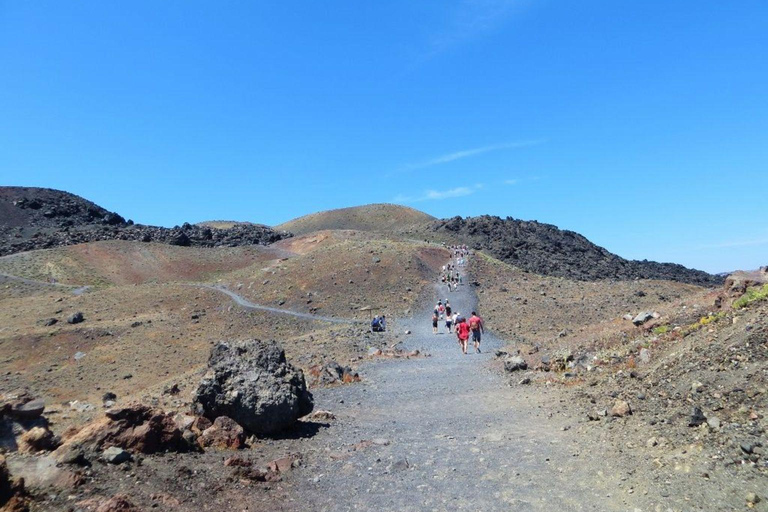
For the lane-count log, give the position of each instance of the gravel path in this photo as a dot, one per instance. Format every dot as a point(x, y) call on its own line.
point(446, 432)
point(242, 301)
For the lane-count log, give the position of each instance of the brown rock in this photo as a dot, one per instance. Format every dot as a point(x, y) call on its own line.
point(117, 503)
point(136, 427)
point(282, 465)
point(200, 424)
point(224, 434)
point(322, 416)
point(621, 409)
point(12, 495)
point(37, 439)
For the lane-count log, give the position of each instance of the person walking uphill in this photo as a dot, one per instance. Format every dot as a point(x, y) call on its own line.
point(477, 328)
point(462, 333)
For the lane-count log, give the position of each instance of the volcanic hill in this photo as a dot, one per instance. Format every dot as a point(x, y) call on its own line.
point(40, 218)
point(530, 245)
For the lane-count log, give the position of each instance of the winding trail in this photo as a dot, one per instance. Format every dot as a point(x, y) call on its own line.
point(449, 433)
point(76, 290)
point(242, 301)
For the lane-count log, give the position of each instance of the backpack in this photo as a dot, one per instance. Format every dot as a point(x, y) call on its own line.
point(375, 323)
point(441, 308)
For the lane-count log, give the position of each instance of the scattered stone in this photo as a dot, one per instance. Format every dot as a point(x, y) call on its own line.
point(282, 465)
point(116, 455)
point(252, 383)
point(400, 465)
point(713, 422)
point(642, 317)
point(29, 410)
point(322, 416)
point(37, 439)
point(225, 433)
point(333, 373)
point(49, 322)
point(71, 454)
point(697, 387)
point(645, 356)
point(652, 442)
point(752, 499)
point(697, 418)
point(79, 355)
point(374, 351)
point(747, 448)
point(515, 363)
point(621, 409)
point(75, 318)
point(525, 381)
point(117, 503)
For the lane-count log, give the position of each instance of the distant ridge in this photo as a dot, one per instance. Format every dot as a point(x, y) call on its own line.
point(547, 250)
point(41, 218)
point(373, 217)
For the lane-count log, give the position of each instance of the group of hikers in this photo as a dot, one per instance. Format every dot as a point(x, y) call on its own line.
point(462, 326)
point(450, 276)
point(460, 252)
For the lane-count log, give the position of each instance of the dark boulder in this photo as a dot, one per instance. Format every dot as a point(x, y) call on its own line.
point(252, 383)
point(75, 318)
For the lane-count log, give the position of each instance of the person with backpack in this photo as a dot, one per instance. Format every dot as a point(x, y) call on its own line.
point(376, 325)
point(462, 333)
point(440, 309)
point(477, 328)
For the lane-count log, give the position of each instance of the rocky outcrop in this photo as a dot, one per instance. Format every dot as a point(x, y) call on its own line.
point(12, 495)
point(252, 383)
point(547, 250)
point(137, 428)
point(36, 218)
point(737, 283)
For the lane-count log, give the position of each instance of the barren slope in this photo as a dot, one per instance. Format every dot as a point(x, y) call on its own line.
point(373, 217)
point(124, 262)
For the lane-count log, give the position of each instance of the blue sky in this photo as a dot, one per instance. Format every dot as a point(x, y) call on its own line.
point(642, 125)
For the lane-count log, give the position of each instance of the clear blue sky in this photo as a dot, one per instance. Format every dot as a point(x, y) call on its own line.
point(642, 125)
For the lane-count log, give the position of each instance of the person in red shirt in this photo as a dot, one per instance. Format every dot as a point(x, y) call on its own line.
point(477, 328)
point(462, 333)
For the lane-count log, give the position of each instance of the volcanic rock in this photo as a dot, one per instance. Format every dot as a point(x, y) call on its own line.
point(37, 439)
point(135, 427)
point(515, 363)
point(75, 318)
point(225, 433)
point(621, 409)
point(642, 317)
point(252, 383)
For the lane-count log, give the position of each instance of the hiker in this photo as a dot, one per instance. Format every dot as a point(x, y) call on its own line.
point(383, 323)
point(376, 325)
point(448, 317)
point(462, 333)
point(477, 328)
point(440, 309)
point(448, 309)
point(434, 322)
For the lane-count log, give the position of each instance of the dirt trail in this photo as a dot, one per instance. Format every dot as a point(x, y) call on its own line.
point(242, 301)
point(449, 434)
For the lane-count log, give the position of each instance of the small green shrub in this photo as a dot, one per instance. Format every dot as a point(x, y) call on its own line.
point(662, 329)
point(752, 295)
